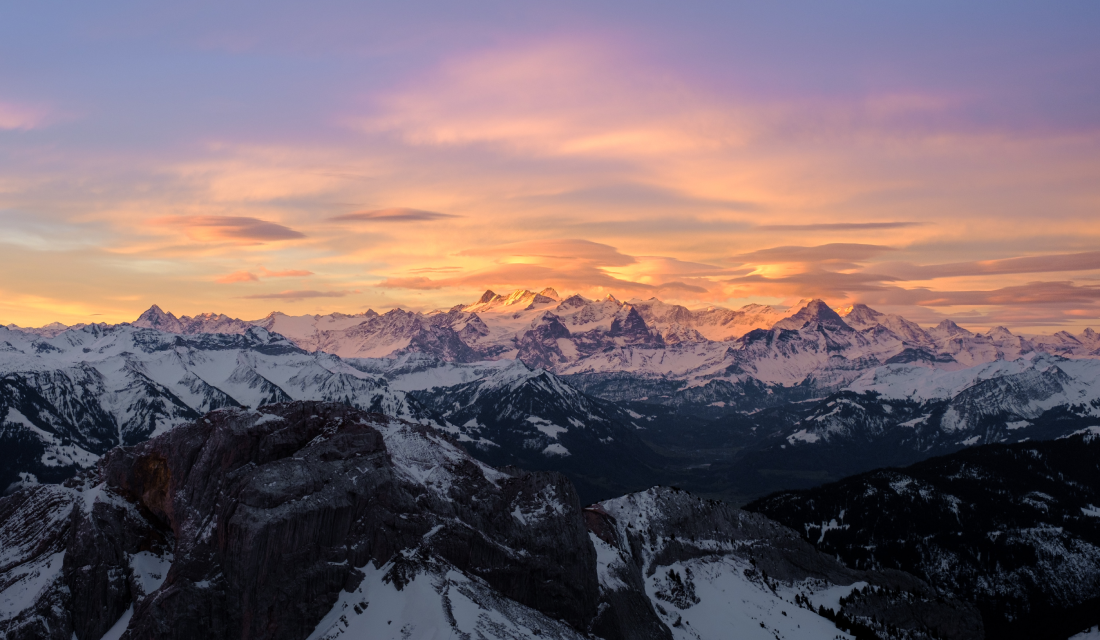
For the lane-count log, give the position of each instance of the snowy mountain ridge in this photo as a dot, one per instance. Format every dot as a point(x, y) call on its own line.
point(674, 323)
point(648, 337)
point(645, 338)
point(384, 529)
point(546, 382)
point(66, 400)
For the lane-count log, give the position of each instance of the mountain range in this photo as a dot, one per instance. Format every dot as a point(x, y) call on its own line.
point(735, 403)
point(162, 464)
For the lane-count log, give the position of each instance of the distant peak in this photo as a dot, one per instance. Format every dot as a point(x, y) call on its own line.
point(549, 292)
point(155, 312)
point(815, 312)
point(519, 295)
point(611, 298)
point(486, 297)
point(155, 318)
point(857, 307)
point(949, 327)
point(859, 315)
point(573, 302)
point(817, 306)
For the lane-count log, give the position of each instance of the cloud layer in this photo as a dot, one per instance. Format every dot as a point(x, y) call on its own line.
point(229, 228)
point(400, 157)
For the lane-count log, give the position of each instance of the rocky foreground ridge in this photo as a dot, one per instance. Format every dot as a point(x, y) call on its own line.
point(319, 520)
point(1013, 528)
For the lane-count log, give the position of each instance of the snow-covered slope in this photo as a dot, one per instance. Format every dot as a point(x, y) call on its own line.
point(1012, 528)
point(708, 571)
point(91, 387)
point(902, 413)
point(529, 418)
point(155, 318)
point(645, 338)
point(186, 536)
point(574, 333)
point(318, 520)
point(435, 602)
point(66, 400)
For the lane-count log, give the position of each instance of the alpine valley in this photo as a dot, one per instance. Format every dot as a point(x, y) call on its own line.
point(418, 475)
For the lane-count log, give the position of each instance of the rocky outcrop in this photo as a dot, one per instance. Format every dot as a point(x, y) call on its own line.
point(538, 346)
point(630, 328)
point(269, 516)
point(316, 520)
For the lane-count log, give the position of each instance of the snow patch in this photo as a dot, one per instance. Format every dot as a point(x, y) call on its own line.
point(437, 603)
point(150, 570)
point(119, 628)
point(803, 436)
point(556, 450)
point(546, 427)
point(608, 559)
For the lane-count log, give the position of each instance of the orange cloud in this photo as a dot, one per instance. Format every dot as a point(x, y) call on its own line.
point(229, 228)
point(554, 249)
point(289, 273)
point(841, 226)
point(248, 276)
point(399, 214)
point(1084, 261)
point(570, 97)
point(835, 252)
point(529, 147)
point(237, 276)
point(299, 295)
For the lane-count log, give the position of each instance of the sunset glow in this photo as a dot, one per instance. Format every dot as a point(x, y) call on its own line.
point(344, 156)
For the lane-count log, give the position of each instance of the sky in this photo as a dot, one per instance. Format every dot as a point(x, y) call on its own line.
point(935, 159)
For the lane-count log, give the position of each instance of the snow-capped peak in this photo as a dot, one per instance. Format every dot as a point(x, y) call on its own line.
point(520, 298)
point(816, 312)
point(948, 328)
point(859, 315)
point(156, 318)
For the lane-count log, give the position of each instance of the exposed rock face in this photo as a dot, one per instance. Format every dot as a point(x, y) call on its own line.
point(632, 329)
point(271, 515)
point(813, 314)
point(538, 347)
point(67, 556)
point(318, 520)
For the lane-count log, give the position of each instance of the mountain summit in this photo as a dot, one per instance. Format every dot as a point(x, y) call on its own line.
point(816, 313)
point(155, 318)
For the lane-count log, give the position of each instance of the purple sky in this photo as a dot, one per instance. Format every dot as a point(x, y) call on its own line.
point(933, 159)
